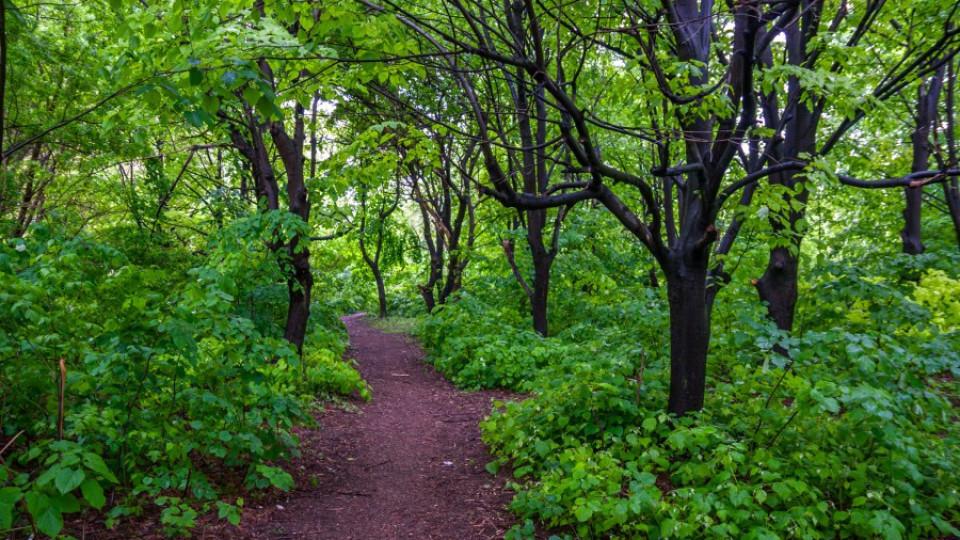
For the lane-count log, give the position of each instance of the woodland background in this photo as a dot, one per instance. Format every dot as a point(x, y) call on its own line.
point(715, 244)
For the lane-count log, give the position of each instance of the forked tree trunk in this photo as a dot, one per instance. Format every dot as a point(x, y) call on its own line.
point(373, 262)
point(778, 285)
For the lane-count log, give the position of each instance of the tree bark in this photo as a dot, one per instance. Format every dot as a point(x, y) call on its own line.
point(951, 192)
point(927, 100)
point(373, 262)
point(381, 293)
point(689, 337)
point(542, 261)
point(299, 290)
point(541, 290)
point(252, 146)
point(951, 189)
point(3, 71)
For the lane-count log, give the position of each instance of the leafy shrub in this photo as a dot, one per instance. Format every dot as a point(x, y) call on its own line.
point(476, 346)
point(164, 379)
point(852, 435)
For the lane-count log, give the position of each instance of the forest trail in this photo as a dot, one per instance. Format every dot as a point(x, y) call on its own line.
point(409, 464)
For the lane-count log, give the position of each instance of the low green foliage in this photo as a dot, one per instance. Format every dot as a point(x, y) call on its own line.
point(852, 435)
point(166, 384)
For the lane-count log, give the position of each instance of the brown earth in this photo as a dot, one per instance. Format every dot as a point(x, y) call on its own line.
point(409, 464)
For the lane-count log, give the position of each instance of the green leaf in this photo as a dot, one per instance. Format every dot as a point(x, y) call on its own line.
point(9, 496)
point(230, 512)
point(493, 467)
point(49, 520)
point(251, 95)
point(67, 480)
point(583, 513)
point(93, 493)
point(196, 76)
point(66, 503)
point(96, 464)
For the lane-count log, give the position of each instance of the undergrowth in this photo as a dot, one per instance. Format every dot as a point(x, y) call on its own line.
point(850, 435)
point(123, 386)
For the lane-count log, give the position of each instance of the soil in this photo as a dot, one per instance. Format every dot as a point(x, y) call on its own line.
point(409, 464)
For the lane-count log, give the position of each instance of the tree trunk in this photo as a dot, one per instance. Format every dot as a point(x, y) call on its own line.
point(381, 292)
point(927, 101)
point(689, 337)
point(951, 192)
point(299, 289)
point(778, 285)
point(541, 289)
point(427, 293)
point(542, 261)
point(910, 234)
point(300, 282)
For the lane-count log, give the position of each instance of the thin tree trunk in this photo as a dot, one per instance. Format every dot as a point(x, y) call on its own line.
point(381, 292)
point(951, 192)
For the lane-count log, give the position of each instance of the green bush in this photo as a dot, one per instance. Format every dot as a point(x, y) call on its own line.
point(852, 435)
point(167, 384)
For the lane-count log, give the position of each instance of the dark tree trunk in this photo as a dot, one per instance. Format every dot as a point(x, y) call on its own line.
point(689, 337)
point(541, 289)
point(951, 189)
point(252, 146)
point(542, 261)
point(373, 262)
point(426, 291)
point(951, 192)
point(927, 101)
point(300, 282)
point(299, 289)
point(444, 231)
point(910, 235)
point(381, 293)
point(778, 286)
point(384, 211)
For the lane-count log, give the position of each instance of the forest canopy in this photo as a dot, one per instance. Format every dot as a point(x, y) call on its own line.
point(713, 246)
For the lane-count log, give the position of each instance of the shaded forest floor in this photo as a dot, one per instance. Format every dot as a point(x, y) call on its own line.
point(409, 464)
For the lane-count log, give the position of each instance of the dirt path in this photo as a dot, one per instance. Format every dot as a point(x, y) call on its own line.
point(409, 464)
